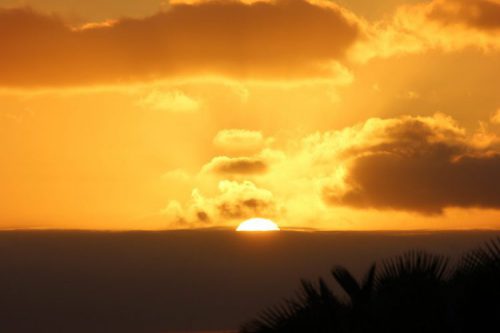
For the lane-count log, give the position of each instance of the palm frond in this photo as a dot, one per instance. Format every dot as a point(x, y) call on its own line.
point(415, 264)
point(369, 280)
point(345, 279)
point(486, 256)
point(312, 306)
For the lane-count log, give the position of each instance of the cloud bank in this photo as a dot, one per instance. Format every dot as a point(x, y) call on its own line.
point(416, 164)
point(420, 164)
point(286, 39)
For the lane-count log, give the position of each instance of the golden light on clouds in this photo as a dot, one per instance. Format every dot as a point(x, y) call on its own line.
point(174, 101)
point(194, 114)
point(496, 117)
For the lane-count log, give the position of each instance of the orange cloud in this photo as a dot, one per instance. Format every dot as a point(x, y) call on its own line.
point(91, 10)
point(285, 39)
point(447, 25)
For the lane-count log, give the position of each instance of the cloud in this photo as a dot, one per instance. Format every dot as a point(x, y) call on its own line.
point(447, 25)
point(407, 164)
point(477, 14)
point(239, 140)
point(286, 39)
point(91, 10)
point(421, 164)
point(243, 200)
point(452, 24)
point(250, 154)
point(234, 201)
point(495, 119)
point(236, 165)
point(174, 101)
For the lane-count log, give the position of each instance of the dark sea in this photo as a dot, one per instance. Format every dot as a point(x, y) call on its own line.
point(180, 281)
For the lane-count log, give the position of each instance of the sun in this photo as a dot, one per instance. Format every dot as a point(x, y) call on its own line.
point(258, 224)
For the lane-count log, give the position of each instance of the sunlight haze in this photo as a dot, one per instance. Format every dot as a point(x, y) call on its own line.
point(345, 115)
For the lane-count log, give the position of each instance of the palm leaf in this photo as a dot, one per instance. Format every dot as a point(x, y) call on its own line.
point(345, 279)
point(369, 281)
point(415, 264)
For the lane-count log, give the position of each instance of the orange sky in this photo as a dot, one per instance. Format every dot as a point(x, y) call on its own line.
point(331, 115)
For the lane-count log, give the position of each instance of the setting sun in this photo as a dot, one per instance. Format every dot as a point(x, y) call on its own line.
point(258, 224)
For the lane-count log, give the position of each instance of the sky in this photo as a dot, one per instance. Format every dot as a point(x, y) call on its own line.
point(347, 115)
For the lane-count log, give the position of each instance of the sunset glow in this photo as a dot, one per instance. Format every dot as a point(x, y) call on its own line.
point(330, 115)
point(178, 165)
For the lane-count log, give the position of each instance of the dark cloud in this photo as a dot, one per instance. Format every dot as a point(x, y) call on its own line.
point(202, 216)
point(480, 14)
point(421, 165)
point(284, 39)
point(236, 165)
point(245, 208)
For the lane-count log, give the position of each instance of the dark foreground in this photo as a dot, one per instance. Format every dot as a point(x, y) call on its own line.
point(416, 292)
point(54, 281)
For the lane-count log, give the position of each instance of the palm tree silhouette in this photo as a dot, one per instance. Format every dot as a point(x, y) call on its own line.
point(360, 297)
point(411, 294)
point(416, 292)
point(476, 289)
point(314, 308)
point(317, 308)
